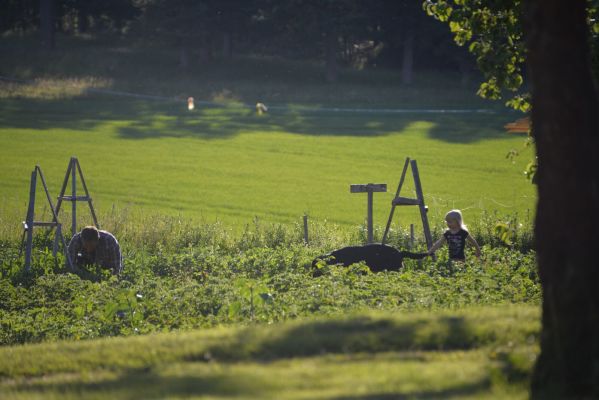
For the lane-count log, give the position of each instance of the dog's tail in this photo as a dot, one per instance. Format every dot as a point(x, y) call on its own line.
point(415, 256)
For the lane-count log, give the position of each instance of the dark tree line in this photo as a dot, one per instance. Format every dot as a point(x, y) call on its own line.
point(359, 33)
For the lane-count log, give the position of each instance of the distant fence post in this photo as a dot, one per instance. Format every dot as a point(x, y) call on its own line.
point(306, 241)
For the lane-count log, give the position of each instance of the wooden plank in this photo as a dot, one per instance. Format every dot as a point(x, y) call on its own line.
point(401, 180)
point(46, 224)
point(405, 201)
point(368, 188)
point(48, 197)
point(306, 229)
point(89, 200)
point(74, 195)
point(369, 220)
point(423, 211)
point(75, 198)
point(55, 222)
point(64, 187)
point(29, 221)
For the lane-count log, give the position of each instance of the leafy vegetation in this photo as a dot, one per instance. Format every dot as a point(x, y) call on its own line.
point(205, 276)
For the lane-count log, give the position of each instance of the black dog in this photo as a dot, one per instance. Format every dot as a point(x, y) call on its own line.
point(378, 257)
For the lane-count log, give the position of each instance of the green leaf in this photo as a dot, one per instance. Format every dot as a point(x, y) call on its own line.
point(234, 309)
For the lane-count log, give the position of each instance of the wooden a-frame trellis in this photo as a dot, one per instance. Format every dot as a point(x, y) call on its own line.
point(72, 170)
point(30, 222)
point(405, 201)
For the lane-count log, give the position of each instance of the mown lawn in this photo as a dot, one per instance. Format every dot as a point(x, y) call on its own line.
point(229, 164)
point(474, 353)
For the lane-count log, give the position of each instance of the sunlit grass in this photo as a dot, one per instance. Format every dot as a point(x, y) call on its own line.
point(232, 165)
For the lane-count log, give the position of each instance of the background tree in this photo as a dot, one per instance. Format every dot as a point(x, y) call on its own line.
point(195, 25)
point(338, 33)
point(318, 26)
point(47, 21)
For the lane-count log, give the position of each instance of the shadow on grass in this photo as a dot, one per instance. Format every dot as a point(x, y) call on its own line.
point(136, 119)
point(459, 391)
point(468, 389)
point(364, 334)
point(150, 385)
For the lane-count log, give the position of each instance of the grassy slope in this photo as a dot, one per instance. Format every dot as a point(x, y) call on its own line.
point(475, 353)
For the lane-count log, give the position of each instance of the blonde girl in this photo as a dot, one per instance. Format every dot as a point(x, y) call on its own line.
point(456, 237)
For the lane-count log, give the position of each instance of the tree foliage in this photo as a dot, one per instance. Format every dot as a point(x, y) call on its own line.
point(356, 33)
point(492, 31)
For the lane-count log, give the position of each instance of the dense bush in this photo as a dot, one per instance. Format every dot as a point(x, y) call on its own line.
point(179, 275)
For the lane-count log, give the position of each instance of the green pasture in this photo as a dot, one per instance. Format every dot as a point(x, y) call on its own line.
point(475, 353)
point(229, 164)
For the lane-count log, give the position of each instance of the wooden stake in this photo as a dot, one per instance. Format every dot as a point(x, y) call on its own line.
point(306, 229)
point(29, 220)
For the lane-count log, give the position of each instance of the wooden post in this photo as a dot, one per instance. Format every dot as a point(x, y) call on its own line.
point(401, 180)
point(423, 209)
point(411, 236)
point(54, 220)
point(74, 194)
point(63, 188)
point(369, 218)
point(29, 220)
point(89, 199)
point(306, 229)
point(369, 188)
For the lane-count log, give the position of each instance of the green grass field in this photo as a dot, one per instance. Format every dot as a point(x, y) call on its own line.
point(229, 164)
point(475, 353)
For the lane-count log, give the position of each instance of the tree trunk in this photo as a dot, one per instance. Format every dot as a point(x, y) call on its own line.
point(47, 23)
point(331, 57)
point(82, 22)
point(566, 129)
point(205, 49)
point(408, 58)
point(227, 45)
point(184, 57)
